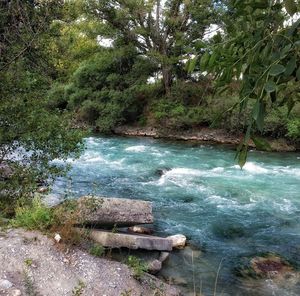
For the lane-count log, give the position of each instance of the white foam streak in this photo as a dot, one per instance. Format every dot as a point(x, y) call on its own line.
point(138, 148)
point(253, 168)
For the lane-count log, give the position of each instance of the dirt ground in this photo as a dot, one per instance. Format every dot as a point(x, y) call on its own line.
point(35, 265)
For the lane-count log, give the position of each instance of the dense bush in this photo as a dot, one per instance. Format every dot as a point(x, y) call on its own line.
point(106, 90)
point(293, 127)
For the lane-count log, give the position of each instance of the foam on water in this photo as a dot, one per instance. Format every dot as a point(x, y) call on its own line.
point(218, 170)
point(138, 148)
point(253, 168)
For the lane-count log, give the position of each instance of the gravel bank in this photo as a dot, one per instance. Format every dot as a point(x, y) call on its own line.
point(33, 264)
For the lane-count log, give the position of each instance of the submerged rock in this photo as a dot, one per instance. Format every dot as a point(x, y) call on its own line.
point(161, 172)
point(178, 241)
point(270, 275)
point(154, 266)
point(163, 256)
point(267, 266)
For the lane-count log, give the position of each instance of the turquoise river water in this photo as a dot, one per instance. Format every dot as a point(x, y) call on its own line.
point(198, 190)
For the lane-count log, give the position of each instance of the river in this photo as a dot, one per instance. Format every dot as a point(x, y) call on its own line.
point(198, 190)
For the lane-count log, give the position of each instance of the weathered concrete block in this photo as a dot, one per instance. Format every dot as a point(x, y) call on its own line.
point(104, 211)
point(130, 241)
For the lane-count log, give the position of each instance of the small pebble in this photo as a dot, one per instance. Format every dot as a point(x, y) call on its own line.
point(112, 285)
point(5, 284)
point(57, 237)
point(16, 292)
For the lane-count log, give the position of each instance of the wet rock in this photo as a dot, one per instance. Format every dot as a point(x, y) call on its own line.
point(178, 281)
point(163, 256)
point(270, 274)
point(140, 229)
point(5, 284)
point(178, 241)
point(160, 172)
point(154, 266)
point(266, 266)
point(188, 199)
point(190, 252)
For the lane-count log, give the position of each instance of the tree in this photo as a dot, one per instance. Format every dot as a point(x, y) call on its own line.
point(163, 31)
point(31, 136)
point(260, 49)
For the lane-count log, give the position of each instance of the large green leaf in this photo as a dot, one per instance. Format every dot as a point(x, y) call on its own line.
point(261, 143)
point(270, 86)
point(276, 69)
point(191, 65)
point(291, 65)
point(259, 114)
point(204, 60)
point(242, 156)
point(298, 74)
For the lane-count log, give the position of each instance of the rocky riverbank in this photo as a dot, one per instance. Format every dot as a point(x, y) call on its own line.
point(203, 134)
point(34, 264)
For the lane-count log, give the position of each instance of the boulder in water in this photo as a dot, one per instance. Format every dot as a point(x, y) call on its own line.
point(265, 266)
point(270, 274)
point(160, 172)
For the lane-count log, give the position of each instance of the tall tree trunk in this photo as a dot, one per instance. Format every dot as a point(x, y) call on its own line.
point(167, 78)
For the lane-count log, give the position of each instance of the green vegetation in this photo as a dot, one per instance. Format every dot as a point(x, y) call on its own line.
point(171, 64)
point(137, 265)
point(34, 216)
point(31, 135)
point(97, 250)
point(78, 290)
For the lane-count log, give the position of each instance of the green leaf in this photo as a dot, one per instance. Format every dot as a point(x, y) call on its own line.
point(261, 144)
point(290, 105)
point(242, 156)
point(285, 50)
point(212, 60)
point(276, 69)
point(290, 6)
point(290, 67)
point(270, 86)
point(191, 65)
point(204, 60)
point(298, 74)
point(259, 114)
